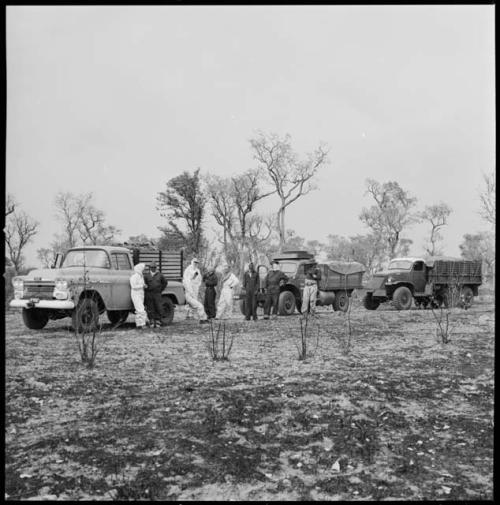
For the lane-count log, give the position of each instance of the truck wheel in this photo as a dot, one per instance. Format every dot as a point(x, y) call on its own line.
point(341, 301)
point(402, 298)
point(286, 303)
point(243, 306)
point(370, 303)
point(35, 319)
point(466, 297)
point(85, 317)
point(117, 316)
point(168, 310)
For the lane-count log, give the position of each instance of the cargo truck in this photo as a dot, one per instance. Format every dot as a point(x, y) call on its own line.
point(432, 282)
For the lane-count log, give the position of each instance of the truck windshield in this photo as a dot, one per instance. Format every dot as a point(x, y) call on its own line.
point(91, 258)
point(288, 268)
point(400, 265)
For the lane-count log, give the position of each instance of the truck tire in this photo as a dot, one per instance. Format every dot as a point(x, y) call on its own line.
point(286, 303)
point(35, 319)
point(402, 298)
point(466, 297)
point(370, 303)
point(117, 316)
point(168, 310)
point(85, 317)
point(341, 301)
point(243, 306)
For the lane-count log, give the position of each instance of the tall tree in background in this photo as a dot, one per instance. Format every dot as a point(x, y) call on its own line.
point(488, 199)
point(369, 250)
point(290, 176)
point(69, 209)
point(233, 202)
point(183, 205)
point(82, 222)
point(437, 216)
point(391, 214)
point(479, 246)
point(20, 229)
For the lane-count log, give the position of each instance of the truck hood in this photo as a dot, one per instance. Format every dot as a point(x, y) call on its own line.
point(49, 274)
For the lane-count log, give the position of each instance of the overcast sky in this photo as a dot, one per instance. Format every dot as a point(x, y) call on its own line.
point(118, 100)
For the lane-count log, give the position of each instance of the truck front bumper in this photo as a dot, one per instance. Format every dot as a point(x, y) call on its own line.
point(43, 304)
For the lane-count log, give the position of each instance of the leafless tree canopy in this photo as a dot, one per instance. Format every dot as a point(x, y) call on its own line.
point(488, 198)
point(82, 221)
point(233, 202)
point(437, 216)
point(391, 214)
point(19, 231)
point(290, 176)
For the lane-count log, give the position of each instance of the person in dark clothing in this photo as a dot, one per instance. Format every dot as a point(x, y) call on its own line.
point(210, 279)
point(274, 279)
point(313, 276)
point(251, 285)
point(155, 284)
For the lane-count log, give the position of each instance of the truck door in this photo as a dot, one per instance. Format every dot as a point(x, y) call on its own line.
point(122, 271)
point(418, 276)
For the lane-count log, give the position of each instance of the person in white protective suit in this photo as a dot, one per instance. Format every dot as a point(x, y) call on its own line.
point(137, 295)
point(229, 282)
point(192, 281)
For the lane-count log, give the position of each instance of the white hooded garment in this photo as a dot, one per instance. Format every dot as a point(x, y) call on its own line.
point(137, 294)
point(192, 282)
point(225, 305)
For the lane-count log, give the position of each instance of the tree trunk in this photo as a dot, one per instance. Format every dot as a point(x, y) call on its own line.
point(281, 227)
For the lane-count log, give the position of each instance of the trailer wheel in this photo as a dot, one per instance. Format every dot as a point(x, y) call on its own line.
point(370, 303)
point(286, 303)
point(341, 301)
point(35, 319)
point(168, 310)
point(402, 298)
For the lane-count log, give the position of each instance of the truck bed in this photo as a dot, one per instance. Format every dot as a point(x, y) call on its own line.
point(458, 271)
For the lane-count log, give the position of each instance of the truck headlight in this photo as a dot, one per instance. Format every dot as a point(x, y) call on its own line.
point(61, 285)
point(61, 289)
point(18, 284)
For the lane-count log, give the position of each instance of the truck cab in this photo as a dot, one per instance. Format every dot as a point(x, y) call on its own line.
point(84, 283)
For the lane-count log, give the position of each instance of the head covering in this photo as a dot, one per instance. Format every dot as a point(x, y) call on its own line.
point(194, 260)
point(139, 268)
point(153, 264)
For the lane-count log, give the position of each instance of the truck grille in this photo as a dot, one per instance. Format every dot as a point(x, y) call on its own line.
point(42, 290)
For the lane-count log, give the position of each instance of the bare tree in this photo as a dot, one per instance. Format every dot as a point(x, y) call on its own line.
point(437, 215)
point(291, 177)
point(19, 231)
point(488, 198)
point(69, 210)
point(391, 213)
point(93, 229)
point(233, 202)
point(46, 256)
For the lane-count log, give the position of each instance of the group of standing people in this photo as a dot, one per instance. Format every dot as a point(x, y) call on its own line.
point(146, 289)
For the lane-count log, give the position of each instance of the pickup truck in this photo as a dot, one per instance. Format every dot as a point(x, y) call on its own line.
point(89, 280)
point(432, 282)
point(338, 281)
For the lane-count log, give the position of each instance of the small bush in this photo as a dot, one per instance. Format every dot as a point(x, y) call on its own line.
point(219, 344)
